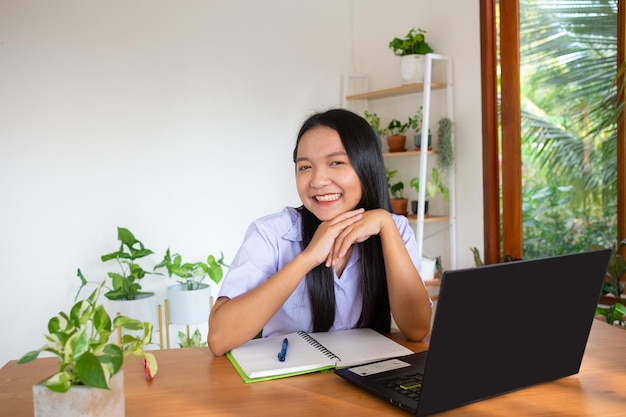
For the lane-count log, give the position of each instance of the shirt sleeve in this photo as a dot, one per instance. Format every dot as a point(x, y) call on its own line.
point(253, 264)
point(408, 237)
point(266, 249)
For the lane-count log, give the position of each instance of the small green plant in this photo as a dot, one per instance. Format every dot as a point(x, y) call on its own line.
point(195, 272)
point(81, 340)
point(476, 254)
point(125, 284)
point(194, 341)
point(397, 189)
point(374, 121)
point(396, 127)
point(413, 43)
point(614, 284)
point(433, 186)
point(415, 121)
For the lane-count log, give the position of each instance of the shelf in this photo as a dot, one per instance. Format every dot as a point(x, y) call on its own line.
point(428, 219)
point(395, 91)
point(355, 96)
point(414, 152)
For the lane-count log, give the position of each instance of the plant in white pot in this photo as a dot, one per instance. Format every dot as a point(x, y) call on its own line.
point(411, 50)
point(125, 295)
point(189, 302)
point(90, 367)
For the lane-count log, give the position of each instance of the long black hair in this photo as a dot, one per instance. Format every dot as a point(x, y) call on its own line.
point(365, 155)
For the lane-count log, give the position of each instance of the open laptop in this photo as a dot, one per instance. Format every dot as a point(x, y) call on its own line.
point(497, 328)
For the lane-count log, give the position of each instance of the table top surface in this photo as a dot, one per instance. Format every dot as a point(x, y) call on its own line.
point(192, 382)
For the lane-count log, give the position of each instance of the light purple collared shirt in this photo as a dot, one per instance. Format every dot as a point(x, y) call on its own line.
point(270, 243)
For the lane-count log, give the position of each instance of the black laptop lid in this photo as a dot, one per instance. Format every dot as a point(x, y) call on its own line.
point(503, 327)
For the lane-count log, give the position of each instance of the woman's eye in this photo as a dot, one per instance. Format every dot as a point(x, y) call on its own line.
point(335, 163)
point(303, 167)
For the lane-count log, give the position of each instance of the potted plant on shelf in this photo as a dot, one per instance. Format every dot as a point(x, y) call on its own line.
point(415, 123)
point(398, 202)
point(189, 301)
point(125, 295)
point(374, 121)
point(411, 50)
point(396, 138)
point(80, 339)
point(433, 187)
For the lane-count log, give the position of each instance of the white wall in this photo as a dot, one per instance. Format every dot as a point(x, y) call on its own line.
point(177, 120)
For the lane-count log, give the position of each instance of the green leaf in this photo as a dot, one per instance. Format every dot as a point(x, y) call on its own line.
point(111, 356)
point(101, 320)
point(91, 372)
point(80, 313)
point(127, 323)
point(151, 365)
point(215, 269)
point(120, 254)
point(60, 382)
point(30, 356)
point(77, 344)
point(126, 236)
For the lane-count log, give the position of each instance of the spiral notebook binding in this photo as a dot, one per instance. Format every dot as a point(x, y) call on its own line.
point(317, 345)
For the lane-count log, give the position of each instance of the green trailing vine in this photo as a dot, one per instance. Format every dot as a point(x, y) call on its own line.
point(445, 153)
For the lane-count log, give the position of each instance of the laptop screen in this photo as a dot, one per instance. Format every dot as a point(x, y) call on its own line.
point(506, 326)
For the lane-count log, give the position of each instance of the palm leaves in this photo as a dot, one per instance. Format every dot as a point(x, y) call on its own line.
point(568, 52)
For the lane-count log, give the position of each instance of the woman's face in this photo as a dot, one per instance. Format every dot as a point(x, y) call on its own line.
point(327, 183)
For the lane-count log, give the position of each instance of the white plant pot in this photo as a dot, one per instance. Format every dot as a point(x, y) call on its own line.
point(412, 68)
point(428, 269)
point(188, 307)
point(80, 400)
point(144, 308)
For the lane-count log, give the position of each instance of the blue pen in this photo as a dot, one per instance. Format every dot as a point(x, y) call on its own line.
point(283, 351)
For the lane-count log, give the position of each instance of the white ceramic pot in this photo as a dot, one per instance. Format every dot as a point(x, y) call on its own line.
point(412, 68)
point(144, 308)
point(80, 400)
point(188, 307)
point(428, 269)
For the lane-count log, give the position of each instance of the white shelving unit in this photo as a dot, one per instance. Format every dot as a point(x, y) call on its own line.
point(423, 91)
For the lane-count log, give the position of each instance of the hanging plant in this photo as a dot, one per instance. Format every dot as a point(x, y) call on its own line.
point(445, 153)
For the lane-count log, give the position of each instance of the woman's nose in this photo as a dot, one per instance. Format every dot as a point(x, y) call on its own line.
point(320, 178)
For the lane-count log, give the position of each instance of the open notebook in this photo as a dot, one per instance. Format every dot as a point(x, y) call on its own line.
point(257, 360)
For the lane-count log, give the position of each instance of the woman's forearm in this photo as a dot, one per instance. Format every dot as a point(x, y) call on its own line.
point(408, 298)
point(235, 321)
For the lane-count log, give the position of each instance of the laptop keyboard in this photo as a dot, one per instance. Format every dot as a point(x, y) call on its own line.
point(408, 385)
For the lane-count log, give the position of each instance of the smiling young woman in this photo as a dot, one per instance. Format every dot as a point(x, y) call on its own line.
point(339, 261)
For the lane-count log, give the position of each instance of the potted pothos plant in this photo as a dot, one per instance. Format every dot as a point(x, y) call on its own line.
point(189, 301)
point(398, 202)
point(411, 50)
point(88, 360)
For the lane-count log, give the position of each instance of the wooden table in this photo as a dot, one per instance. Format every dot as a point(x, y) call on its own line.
point(191, 382)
